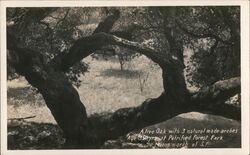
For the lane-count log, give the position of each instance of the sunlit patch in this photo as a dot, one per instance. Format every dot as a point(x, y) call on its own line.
point(107, 88)
point(174, 57)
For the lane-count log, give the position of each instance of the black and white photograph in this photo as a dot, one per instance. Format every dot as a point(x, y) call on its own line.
point(124, 77)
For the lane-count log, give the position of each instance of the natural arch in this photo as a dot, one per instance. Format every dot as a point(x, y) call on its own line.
point(69, 111)
point(106, 87)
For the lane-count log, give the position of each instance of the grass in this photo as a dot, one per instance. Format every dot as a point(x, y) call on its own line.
point(104, 88)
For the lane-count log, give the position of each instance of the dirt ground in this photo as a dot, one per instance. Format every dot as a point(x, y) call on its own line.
point(107, 88)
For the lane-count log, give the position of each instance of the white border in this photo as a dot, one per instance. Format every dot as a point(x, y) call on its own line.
point(244, 75)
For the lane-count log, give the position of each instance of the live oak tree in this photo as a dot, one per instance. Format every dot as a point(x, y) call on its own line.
point(52, 60)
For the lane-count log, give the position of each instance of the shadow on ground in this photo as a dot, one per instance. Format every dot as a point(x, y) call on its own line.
point(25, 135)
point(118, 73)
point(29, 135)
point(192, 122)
point(19, 96)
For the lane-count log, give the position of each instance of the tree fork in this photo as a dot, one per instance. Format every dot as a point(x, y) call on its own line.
point(69, 112)
point(60, 96)
point(66, 107)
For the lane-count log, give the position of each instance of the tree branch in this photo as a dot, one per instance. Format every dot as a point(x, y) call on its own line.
point(125, 34)
point(112, 125)
point(69, 112)
point(152, 111)
point(85, 46)
point(221, 90)
point(22, 118)
point(212, 99)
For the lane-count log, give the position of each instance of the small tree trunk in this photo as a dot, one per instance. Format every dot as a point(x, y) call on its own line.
point(121, 61)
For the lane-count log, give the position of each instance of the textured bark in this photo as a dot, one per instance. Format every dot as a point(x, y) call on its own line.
point(164, 107)
point(173, 76)
point(221, 90)
point(124, 120)
point(60, 96)
point(69, 112)
point(212, 99)
point(85, 46)
point(66, 107)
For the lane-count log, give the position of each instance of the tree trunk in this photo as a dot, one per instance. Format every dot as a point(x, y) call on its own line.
point(69, 112)
point(60, 96)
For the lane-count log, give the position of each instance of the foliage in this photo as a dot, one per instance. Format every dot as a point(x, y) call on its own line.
point(55, 34)
point(212, 46)
point(212, 41)
point(61, 27)
point(30, 135)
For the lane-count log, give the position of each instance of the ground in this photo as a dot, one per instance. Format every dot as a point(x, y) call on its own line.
point(140, 80)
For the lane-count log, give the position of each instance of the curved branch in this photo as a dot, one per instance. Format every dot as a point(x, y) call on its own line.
point(125, 34)
point(212, 99)
point(85, 46)
point(219, 90)
point(112, 125)
point(65, 105)
point(155, 110)
point(172, 67)
point(64, 102)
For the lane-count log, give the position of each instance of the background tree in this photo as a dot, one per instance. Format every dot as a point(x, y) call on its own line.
point(50, 63)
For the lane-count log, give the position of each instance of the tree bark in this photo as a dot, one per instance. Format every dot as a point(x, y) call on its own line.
point(60, 96)
point(156, 110)
point(212, 99)
point(69, 112)
point(65, 105)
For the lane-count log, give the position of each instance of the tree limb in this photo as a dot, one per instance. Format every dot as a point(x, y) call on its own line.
point(112, 125)
point(219, 90)
point(64, 102)
point(85, 46)
point(212, 99)
point(22, 118)
point(69, 112)
point(156, 110)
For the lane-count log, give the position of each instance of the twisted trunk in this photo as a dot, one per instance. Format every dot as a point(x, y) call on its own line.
point(68, 110)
